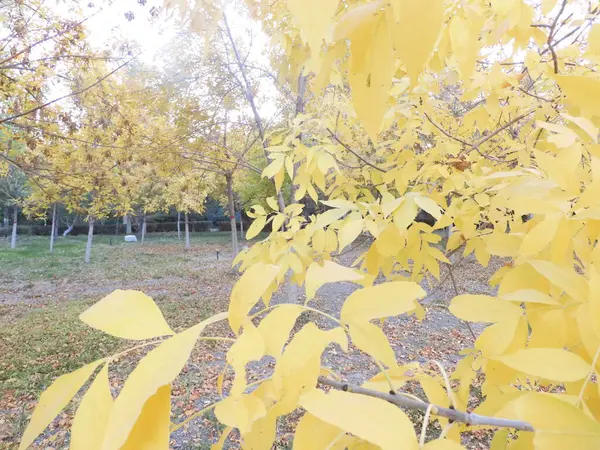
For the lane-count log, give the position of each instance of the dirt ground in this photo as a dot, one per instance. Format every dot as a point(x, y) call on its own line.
point(40, 337)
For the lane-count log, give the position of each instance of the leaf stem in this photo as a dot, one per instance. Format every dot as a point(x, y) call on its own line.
point(424, 426)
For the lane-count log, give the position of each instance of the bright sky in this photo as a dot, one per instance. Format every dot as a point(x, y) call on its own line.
point(151, 34)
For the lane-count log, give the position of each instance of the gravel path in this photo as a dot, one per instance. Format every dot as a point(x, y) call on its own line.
point(438, 337)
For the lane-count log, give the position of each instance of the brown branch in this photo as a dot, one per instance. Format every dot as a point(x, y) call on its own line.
point(347, 147)
point(501, 129)
point(552, 33)
point(445, 133)
point(467, 324)
point(71, 94)
point(406, 402)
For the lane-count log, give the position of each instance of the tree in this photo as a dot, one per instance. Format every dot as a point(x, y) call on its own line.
point(13, 191)
point(492, 114)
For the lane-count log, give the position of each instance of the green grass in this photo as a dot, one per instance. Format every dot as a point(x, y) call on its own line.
point(43, 338)
point(111, 256)
point(44, 342)
point(42, 295)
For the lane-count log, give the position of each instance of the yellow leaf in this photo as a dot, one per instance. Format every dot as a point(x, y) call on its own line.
point(483, 308)
point(128, 315)
point(549, 363)
point(406, 214)
point(370, 75)
point(349, 232)
point(248, 290)
point(363, 16)
point(548, 328)
point(539, 236)
point(442, 444)
point(594, 298)
point(151, 430)
point(464, 44)
point(298, 368)
point(329, 272)
point(427, 204)
point(92, 415)
point(340, 203)
point(585, 124)
point(389, 206)
point(277, 222)
point(371, 419)
point(372, 340)
point(582, 92)
point(240, 411)
point(501, 244)
point(424, 19)
point(274, 167)
point(249, 346)
point(276, 327)
point(559, 425)
point(157, 369)
point(383, 300)
point(435, 393)
point(222, 439)
point(330, 216)
point(498, 338)
point(563, 277)
point(529, 296)
point(54, 399)
point(390, 241)
point(263, 432)
point(272, 204)
point(312, 433)
point(313, 18)
point(257, 226)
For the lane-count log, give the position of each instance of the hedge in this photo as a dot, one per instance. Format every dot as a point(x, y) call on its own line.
point(108, 229)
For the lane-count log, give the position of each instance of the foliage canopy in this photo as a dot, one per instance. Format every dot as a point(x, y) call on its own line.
point(479, 113)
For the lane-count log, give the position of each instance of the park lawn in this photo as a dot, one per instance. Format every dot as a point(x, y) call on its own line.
point(42, 295)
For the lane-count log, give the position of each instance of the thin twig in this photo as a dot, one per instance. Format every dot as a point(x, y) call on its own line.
point(347, 147)
point(551, 35)
point(71, 94)
point(452, 414)
point(468, 325)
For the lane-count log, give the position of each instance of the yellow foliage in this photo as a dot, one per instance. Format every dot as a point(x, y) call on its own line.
point(482, 115)
point(128, 315)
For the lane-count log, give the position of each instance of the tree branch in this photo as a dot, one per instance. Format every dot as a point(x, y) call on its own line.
point(347, 147)
point(452, 414)
point(552, 33)
point(71, 94)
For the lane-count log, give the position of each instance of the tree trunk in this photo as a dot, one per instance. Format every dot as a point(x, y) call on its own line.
point(249, 94)
point(128, 223)
point(57, 224)
point(52, 232)
point(6, 219)
point(300, 103)
point(88, 246)
point(13, 239)
point(241, 225)
point(187, 231)
point(231, 205)
point(178, 226)
point(143, 228)
point(117, 228)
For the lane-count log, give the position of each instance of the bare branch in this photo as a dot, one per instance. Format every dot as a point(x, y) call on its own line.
point(347, 147)
point(452, 414)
